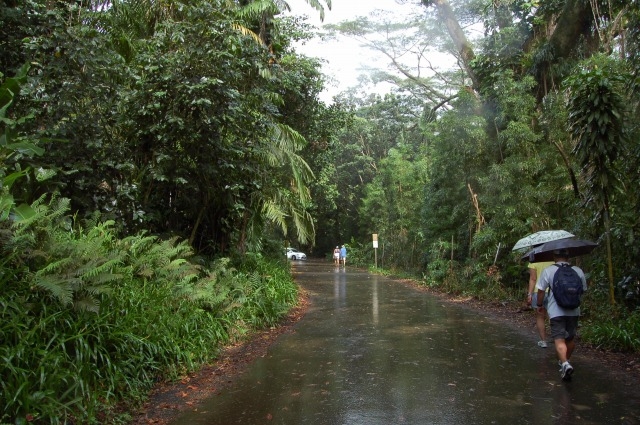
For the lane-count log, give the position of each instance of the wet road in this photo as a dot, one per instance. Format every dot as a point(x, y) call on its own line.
point(370, 351)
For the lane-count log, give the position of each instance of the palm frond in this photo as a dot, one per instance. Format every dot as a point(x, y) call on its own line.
point(273, 212)
point(318, 6)
point(256, 9)
point(246, 31)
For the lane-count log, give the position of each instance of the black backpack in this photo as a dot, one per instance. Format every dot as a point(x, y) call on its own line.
point(567, 286)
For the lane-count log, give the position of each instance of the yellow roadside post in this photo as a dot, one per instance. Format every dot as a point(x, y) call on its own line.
point(375, 249)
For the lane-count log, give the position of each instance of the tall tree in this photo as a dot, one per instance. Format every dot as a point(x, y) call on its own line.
point(596, 120)
point(181, 133)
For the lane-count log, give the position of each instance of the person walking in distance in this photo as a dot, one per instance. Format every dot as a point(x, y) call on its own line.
point(535, 271)
point(343, 255)
point(336, 255)
point(567, 284)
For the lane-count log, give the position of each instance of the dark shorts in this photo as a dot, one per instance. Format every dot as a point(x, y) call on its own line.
point(564, 327)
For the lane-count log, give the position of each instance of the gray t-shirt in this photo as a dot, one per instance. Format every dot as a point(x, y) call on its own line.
point(546, 280)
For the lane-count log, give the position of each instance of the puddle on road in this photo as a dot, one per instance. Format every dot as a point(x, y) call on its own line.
point(370, 351)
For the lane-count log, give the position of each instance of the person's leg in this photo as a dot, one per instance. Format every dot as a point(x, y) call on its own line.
point(540, 324)
point(571, 345)
point(559, 335)
point(564, 344)
point(540, 319)
point(564, 352)
point(561, 349)
point(571, 326)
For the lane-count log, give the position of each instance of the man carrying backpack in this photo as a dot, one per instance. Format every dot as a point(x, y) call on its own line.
point(567, 284)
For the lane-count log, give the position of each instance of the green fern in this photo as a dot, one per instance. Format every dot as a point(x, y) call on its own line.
point(54, 267)
point(60, 287)
point(100, 269)
point(72, 265)
point(86, 302)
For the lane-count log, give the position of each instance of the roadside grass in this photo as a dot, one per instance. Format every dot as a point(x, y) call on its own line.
point(612, 328)
point(89, 321)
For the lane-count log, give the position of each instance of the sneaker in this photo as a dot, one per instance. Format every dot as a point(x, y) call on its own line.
point(566, 371)
point(542, 344)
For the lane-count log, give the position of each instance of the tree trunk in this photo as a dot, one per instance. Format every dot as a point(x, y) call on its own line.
point(196, 225)
point(607, 230)
point(457, 35)
point(572, 175)
point(567, 30)
point(573, 23)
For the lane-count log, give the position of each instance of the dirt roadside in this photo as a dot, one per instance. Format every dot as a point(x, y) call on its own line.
point(168, 400)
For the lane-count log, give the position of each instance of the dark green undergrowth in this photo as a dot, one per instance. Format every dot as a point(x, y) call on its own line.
point(90, 321)
point(613, 328)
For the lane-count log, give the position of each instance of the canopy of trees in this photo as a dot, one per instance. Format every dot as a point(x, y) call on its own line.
point(180, 119)
point(200, 120)
point(535, 128)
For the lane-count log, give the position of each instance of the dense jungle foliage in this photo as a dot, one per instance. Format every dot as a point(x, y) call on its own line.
point(157, 157)
point(150, 170)
point(535, 129)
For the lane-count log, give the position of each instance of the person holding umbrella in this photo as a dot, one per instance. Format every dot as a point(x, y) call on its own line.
point(535, 270)
point(563, 320)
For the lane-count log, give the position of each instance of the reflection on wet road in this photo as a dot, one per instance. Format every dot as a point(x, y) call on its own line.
point(371, 351)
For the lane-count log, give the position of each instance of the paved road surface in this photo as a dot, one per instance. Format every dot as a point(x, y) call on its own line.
point(370, 351)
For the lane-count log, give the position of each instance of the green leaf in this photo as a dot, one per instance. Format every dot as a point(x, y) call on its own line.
point(6, 203)
point(11, 178)
point(26, 148)
point(24, 212)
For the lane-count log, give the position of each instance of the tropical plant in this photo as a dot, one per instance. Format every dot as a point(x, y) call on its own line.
point(159, 315)
point(17, 150)
point(597, 113)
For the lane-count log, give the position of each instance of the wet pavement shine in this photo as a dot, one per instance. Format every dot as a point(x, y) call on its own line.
point(371, 351)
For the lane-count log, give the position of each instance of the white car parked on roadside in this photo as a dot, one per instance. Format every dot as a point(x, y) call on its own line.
point(294, 254)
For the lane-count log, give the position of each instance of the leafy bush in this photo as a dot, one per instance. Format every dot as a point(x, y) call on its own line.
point(89, 320)
point(359, 254)
point(628, 288)
point(618, 330)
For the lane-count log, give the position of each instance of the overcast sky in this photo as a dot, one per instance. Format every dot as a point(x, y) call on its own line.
point(345, 56)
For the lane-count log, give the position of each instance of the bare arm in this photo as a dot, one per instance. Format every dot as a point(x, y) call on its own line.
point(540, 299)
point(533, 278)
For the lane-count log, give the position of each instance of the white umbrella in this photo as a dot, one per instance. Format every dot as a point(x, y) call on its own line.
point(541, 237)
